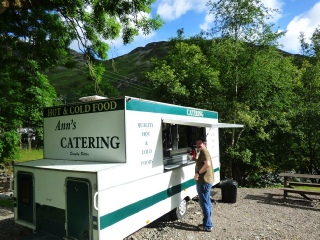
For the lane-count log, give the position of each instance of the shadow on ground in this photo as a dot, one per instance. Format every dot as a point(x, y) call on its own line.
point(168, 221)
point(293, 201)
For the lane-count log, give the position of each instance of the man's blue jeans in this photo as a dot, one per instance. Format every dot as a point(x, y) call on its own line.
point(203, 190)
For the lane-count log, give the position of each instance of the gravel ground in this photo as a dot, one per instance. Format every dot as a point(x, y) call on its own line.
point(257, 214)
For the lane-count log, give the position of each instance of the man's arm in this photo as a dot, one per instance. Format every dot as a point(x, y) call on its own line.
point(205, 167)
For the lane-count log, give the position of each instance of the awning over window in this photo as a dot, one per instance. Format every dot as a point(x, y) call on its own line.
point(185, 122)
point(200, 123)
point(226, 125)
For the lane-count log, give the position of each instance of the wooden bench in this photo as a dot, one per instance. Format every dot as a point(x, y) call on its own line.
point(298, 191)
point(304, 184)
point(288, 185)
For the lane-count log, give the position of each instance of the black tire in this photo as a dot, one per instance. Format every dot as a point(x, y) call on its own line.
point(181, 211)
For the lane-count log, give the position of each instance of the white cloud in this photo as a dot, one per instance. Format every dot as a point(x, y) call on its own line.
point(305, 23)
point(274, 4)
point(270, 4)
point(173, 9)
point(207, 22)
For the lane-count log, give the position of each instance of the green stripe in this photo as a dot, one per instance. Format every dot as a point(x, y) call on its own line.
point(216, 169)
point(156, 107)
point(122, 213)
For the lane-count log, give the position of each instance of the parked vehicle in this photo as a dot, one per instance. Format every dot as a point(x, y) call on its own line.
point(112, 166)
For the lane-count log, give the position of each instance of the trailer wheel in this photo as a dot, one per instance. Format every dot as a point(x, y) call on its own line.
point(181, 211)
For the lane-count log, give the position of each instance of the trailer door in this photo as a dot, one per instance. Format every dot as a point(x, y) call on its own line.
point(25, 203)
point(78, 209)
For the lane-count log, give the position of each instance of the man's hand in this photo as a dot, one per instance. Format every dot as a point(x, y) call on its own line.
point(196, 176)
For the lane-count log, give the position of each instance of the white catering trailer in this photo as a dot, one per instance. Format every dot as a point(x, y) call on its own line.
point(112, 166)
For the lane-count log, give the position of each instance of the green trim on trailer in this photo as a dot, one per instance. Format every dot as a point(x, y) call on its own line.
point(122, 213)
point(157, 107)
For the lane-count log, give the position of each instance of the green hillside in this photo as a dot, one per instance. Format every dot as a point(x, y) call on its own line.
point(124, 72)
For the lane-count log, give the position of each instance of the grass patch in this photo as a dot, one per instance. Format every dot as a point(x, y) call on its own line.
point(6, 203)
point(24, 155)
point(27, 155)
point(308, 188)
point(277, 185)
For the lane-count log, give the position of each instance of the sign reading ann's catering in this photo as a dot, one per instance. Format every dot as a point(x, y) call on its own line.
point(82, 108)
point(97, 136)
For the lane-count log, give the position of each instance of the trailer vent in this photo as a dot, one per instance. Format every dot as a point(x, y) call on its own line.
point(91, 98)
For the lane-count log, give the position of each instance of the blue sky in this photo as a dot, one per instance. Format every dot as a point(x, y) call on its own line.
point(294, 16)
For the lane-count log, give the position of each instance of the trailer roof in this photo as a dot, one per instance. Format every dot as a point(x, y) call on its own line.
point(143, 105)
point(69, 165)
point(127, 103)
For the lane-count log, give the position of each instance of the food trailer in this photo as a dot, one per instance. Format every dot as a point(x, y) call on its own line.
point(112, 166)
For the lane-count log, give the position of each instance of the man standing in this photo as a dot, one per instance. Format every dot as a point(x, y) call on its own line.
point(204, 179)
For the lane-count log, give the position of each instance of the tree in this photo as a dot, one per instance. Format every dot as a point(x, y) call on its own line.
point(105, 87)
point(305, 119)
point(35, 36)
point(245, 36)
point(311, 48)
point(52, 25)
point(24, 91)
point(265, 90)
point(243, 20)
point(185, 76)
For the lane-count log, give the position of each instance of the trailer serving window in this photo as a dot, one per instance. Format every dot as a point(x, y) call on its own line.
point(178, 138)
point(175, 136)
point(179, 135)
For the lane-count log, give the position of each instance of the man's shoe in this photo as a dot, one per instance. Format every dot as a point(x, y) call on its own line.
point(202, 228)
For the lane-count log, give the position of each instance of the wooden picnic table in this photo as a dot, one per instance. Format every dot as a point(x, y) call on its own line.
point(288, 185)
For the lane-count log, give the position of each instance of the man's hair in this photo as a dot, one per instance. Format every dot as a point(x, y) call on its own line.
point(201, 139)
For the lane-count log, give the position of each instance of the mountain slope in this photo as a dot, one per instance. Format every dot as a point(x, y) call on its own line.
point(124, 72)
